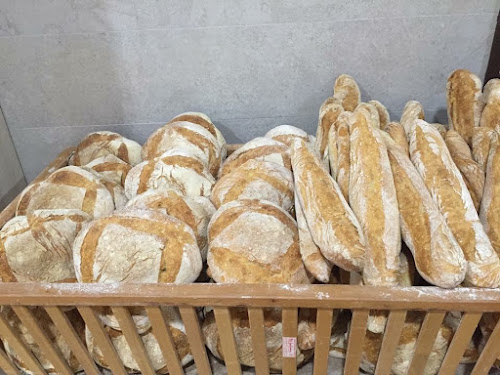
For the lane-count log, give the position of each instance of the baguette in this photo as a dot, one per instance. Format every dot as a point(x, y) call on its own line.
point(374, 115)
point(398, 135)
point(346, 91)
point(412, 111)
point(383, 114)
point(332, 151)
point(490, 117)
point(482, 139)
point(440, 128)
point(442, 178)
point(344, 153)
point(328, 114)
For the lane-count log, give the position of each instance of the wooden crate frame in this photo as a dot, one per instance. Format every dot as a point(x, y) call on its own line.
point(398, 301)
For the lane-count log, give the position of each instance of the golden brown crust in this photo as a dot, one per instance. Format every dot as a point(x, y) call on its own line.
point(372, 110)
point(111, 167)
point(398, 135)
point(346, 91)
point(286, 134)
point(482, 139)
point(383, 114)
point(344, 153)
point(328, 114)
point(412, 111)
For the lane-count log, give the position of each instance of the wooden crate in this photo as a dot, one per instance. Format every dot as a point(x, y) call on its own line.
point(435, 302)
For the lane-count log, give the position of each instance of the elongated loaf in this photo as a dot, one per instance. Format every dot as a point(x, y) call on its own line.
point(344, 153)
point(372, 196)
point(333, 225)
point(490, 117)
point(111, 167)
point(286, 134)
point(346, 91)
point(398, 135)
point(332, 151)
point(433, 161)
point(328, 114)
point(463, 93)
point(374, 114)
point(440, 128)
point(383, 113)
point(412, 111)
point(481, 143)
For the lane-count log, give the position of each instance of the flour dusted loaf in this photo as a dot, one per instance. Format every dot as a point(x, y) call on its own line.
point(463, 93)
point(442, 178)
point(332, 152)
point(194, 211)
point(286, 134)
point(175, 169)
point(372, 111)
point(38, 247)
point(346, 91)
point(398, 135)
point(70, 188)
point(328, 114)
point(412, 111)
point(98, 144)
point(111, 168)
point(482, 139)
point(490, 117)
point(332, 224)
point(343, 152)
point(256, 179)
point(254, 241)
point(383, 113)
point(259, 148)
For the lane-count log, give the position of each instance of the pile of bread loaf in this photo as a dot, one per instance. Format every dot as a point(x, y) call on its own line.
point(366, 201)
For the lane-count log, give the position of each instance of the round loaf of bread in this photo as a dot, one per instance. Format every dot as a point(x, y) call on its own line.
point(68, 188)
point(98, 144)
point(194, 211)
point(175, 169)
point(260, 148)
point(254, 241)
point(52, 333)
point(116, 189)
point(38, 247)
point(286, 134)
point(256, 179)
point(189, 137)
point(111, 167)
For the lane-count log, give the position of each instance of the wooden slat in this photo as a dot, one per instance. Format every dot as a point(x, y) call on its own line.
point(102, 340)
point(256, 318)
point(393, 329)
point(24, 353)
point(72, 339)
point(196, 340)
point(459, 343)
point(6, 364)
point(489, 354)
point(166, 343)
point(290, 325)
point(226, 336)
point(46, 346)
point(355, 343)
point(322, 347)
point(425, 341)
point(134, 341)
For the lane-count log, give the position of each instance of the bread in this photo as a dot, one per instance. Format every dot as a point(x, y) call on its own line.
point(51, 332)
point(194, 211)
point(314, 261)
point(260, 148)
point(442, 178)
point(490, 117)
point(346, 91)
point(328, 114)
point(150, 341)
point(440, 128)
point(398, 135)
point(471, 171)
point(481, 142)
point(332, 153)
point(98, 144)
point(344, 153)
point(69, 188)
point(116, 189)
point(412, 111)
point(383, 114)
point(111, 167)
point(38, 247)
point(191, 138)
point(490, 205)
point(176, 169)
point(373, 111)
point(332, 224)
point(438, 257)
point(463, 93)
point(372, 196)
point(255, 179)
point(254, 241)
point(286, 134)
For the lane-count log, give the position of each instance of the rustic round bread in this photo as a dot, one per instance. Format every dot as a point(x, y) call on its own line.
point(98, 144)
point(260, 148)
point(38, 247)
point(111, 167)
point(150, 341)
point(175, 169)
point(286, 134)
point(189, 137)
point(194, 211)
point(69, 188)
point(254, 241)
point(256, 179)
point(52, 333)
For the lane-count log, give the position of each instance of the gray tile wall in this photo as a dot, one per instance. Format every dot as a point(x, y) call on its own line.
point(68, 67)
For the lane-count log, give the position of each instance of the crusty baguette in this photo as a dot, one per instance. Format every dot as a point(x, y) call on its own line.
point(412, 111)
point(383, 114)
point(440, 128)
point(374, 114)
point(481, 142)
point(344, 153)
point(332, 223)
point(438, 256)
point(490, 117)
point(328, 113)
point(446, 185)
point(332, 151)
point(372, 196)
point(471, 171)
point(398, 135)
point(463, 93)
point(346, 91)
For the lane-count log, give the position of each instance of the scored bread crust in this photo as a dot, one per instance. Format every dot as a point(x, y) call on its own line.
point(346, 91)
point(412, 111)
point(111, 167)
point(398, 135)
point(383, 113)
point(286, 134)
point(329, 111)
point(372, 196)
point(433, 161)
point(344, 152)
point(332, 223)
point(482, 139)
point(463, 94)
point(255, 179)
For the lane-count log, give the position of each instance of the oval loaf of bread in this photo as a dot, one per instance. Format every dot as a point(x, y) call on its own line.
point(286, 134)
point(346, 91)
point(433, 161)
point(328, 114)
point(111, 167)
point(333, 226)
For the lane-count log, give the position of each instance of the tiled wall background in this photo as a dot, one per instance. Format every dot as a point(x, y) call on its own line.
point(68, 67)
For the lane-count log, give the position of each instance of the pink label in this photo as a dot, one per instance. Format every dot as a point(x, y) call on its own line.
point(289, 347)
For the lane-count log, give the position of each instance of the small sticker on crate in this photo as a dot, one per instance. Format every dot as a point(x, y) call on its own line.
point(289, 347)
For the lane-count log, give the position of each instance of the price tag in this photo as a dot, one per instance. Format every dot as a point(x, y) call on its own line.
point(289, 347)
